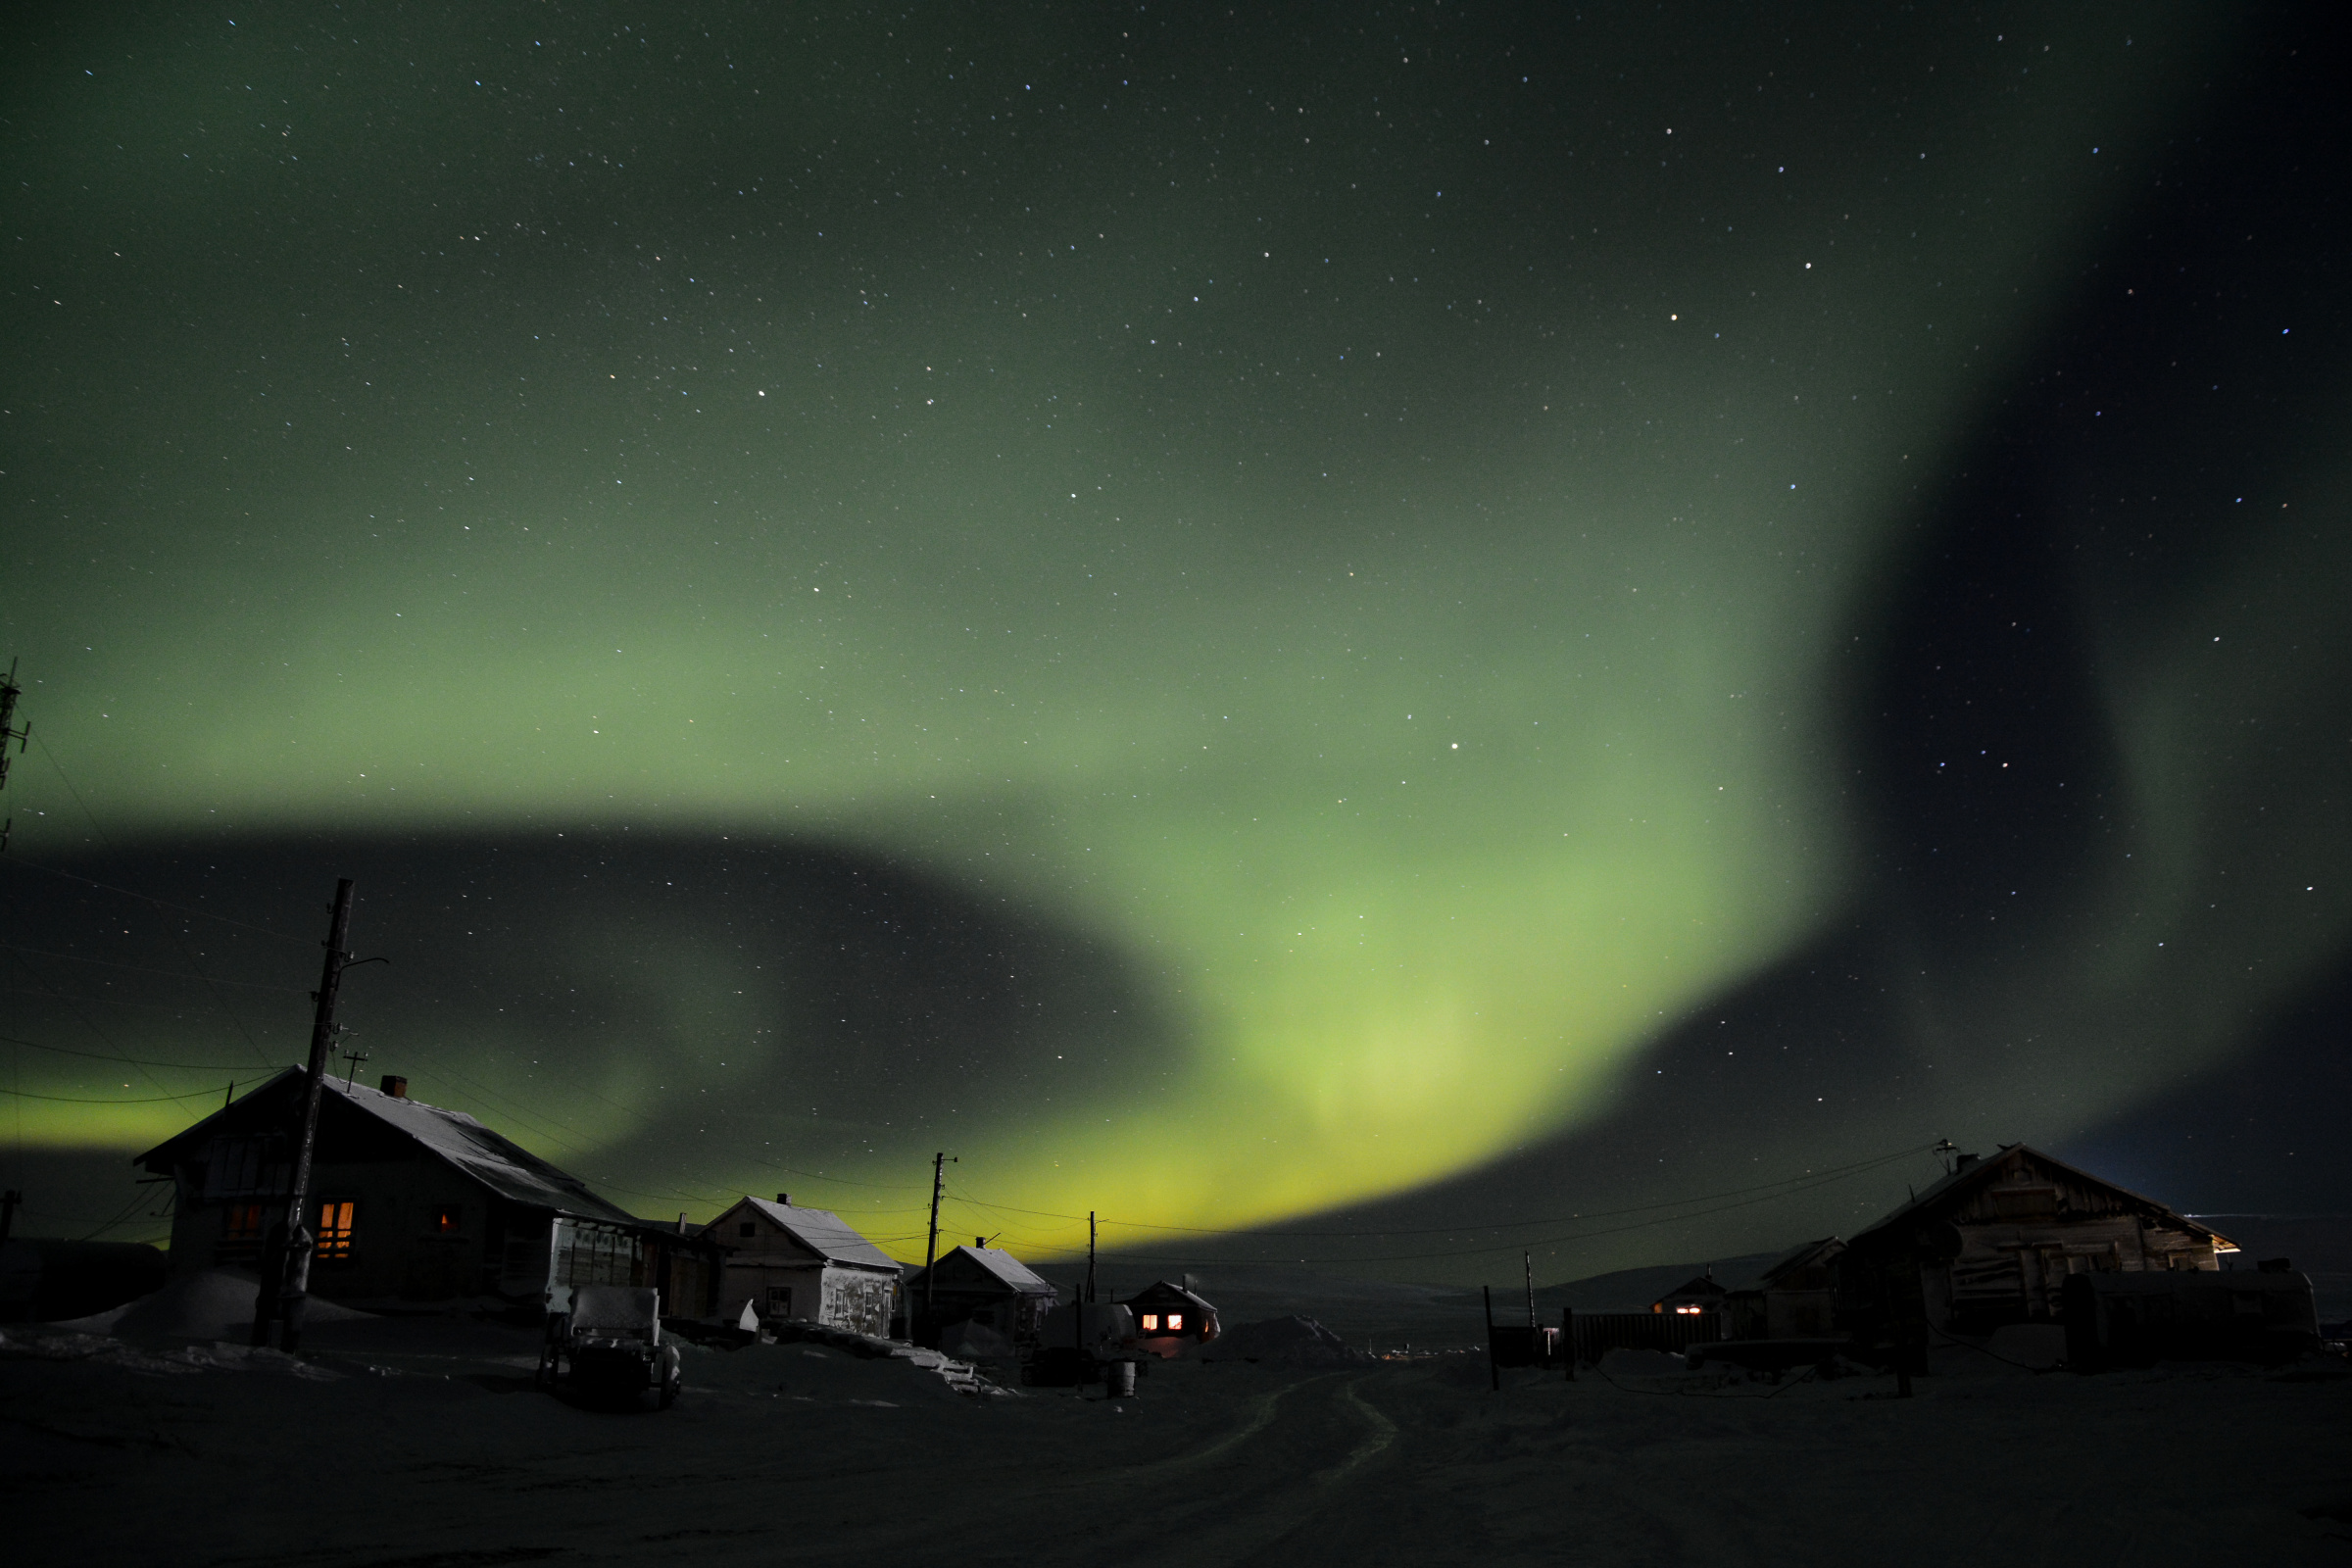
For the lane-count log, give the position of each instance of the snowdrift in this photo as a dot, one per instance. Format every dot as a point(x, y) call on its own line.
point(215, 1304)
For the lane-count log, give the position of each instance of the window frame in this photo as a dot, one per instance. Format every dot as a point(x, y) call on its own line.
point(334, 1238)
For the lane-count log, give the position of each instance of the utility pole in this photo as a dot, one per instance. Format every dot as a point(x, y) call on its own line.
point(291, 1270)
point(7, 1212)
point(1494, 1367)
point(10, 691)
point(939, 1172)
point(1090, 1255)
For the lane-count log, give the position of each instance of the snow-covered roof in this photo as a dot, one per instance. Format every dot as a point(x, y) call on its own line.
point(824, 1233)
point(1165, 1290)
point(1003, 1267)
point(505, 1167)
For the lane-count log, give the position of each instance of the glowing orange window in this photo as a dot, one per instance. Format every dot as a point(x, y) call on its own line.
point(1151, 1320)
point(448, 1219)
point(334, 1230)
point(1175, 1322)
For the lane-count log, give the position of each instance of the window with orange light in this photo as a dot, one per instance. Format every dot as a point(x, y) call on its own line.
point(242, 1226)
point(1691, 1309)
point(448, 1219)
point(1175, 1322)
point(1151, 1320)
point(334, 1230)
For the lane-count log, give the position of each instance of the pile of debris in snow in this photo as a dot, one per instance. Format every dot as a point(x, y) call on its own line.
point(1288, 1341)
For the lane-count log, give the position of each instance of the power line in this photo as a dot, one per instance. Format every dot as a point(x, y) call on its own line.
point(179, 1008)
point(150, 1099)
point(128, 1062)
point(88, 1022)
point(143, 897)
point(135, 1204)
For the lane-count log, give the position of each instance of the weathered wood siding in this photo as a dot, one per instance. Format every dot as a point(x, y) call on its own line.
point(2013, 1243)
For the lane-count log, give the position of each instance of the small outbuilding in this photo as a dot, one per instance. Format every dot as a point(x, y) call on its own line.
point(1168, 1318)
point(983, 1286)
point(789, 1262)
point(1794, 1297)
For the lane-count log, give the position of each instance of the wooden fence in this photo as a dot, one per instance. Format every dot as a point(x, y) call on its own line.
point(1595, 1334)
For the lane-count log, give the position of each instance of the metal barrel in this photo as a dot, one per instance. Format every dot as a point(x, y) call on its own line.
point(1118, 1380)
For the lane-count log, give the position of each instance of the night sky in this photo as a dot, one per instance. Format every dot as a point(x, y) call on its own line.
point(1462, 625)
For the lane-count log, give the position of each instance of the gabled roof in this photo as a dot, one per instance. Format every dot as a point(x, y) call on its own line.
point(1698, 1286)
point(1163, 1289)
point(1006, 1269)
point(505, 1168)
point(1796, 1257)
point(1956, 1185)
point(823, 1232)
point(1772, 1270)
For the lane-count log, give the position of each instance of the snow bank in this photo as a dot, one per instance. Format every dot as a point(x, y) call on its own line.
point(211, 1304)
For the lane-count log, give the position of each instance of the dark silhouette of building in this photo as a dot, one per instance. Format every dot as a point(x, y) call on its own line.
point(1995, 1242)
point(413, 1203)
point(1794, 1297)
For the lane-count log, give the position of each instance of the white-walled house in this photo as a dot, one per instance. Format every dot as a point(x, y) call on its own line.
point(804, 1263)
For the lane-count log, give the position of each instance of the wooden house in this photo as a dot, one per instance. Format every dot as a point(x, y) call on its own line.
point(981, 1285)
point(1696, 1294)
point(1168, 1318)
point(410, 1202)
point(1792, 1298)
point(1995, 1240)
point(789, 1262)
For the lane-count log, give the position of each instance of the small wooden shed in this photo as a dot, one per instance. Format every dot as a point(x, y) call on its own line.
point(983, 1285)
point(791, 1262)
point(1792, 1298)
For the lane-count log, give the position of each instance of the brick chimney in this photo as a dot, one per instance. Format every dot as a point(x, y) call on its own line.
point(783, 1200)
point(395, 1085)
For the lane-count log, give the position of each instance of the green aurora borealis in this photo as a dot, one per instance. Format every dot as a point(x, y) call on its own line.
point(1366, 514)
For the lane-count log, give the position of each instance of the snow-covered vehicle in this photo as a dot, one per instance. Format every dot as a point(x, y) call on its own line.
point(608, 1346)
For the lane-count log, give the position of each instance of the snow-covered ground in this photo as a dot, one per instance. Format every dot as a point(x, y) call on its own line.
point(416, 1442)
